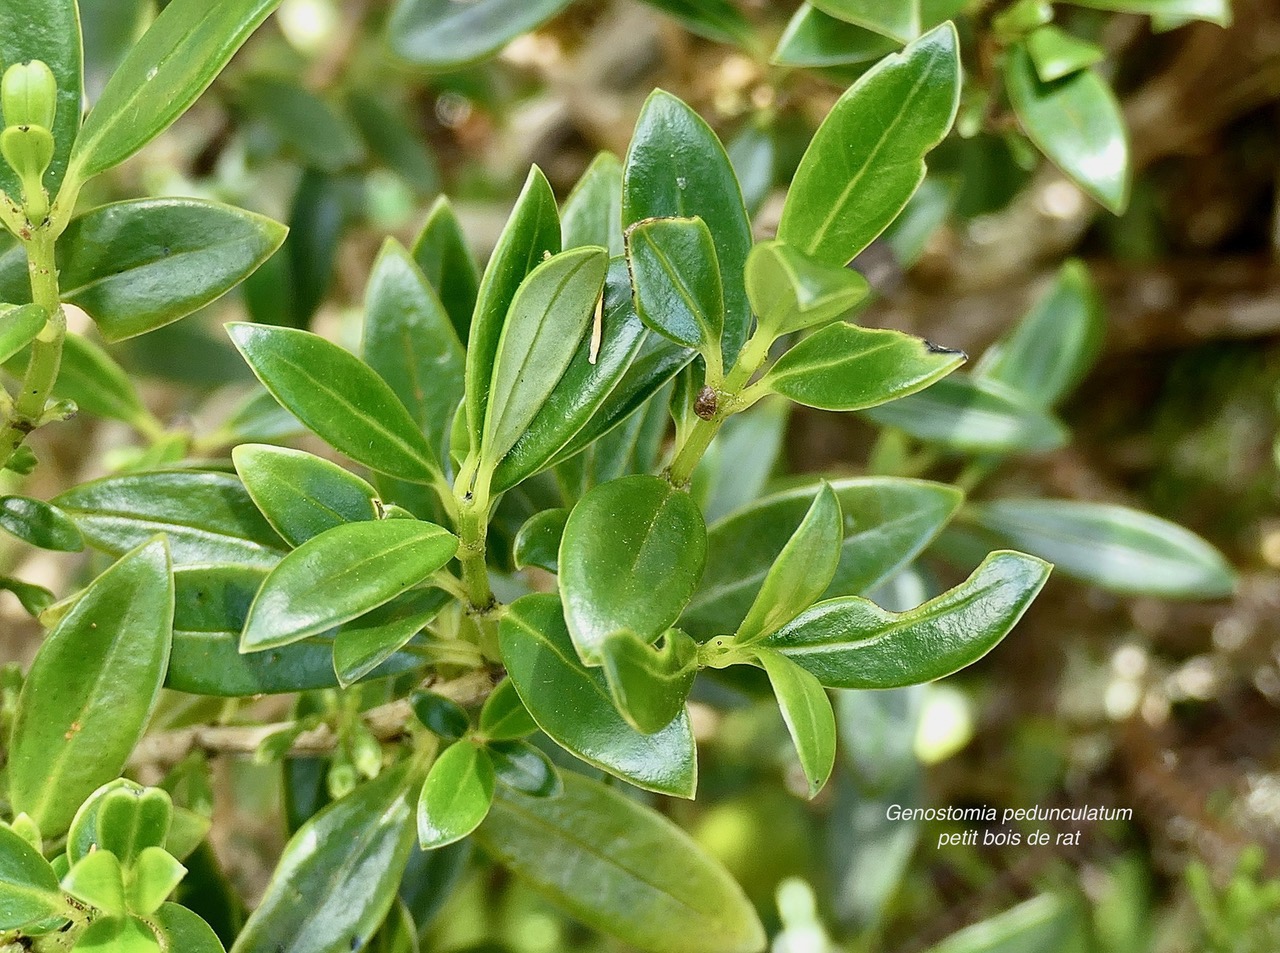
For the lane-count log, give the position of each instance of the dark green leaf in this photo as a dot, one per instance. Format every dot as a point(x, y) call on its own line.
point(339, 397)
point(790, 291)
point(431, 877)
point(302, 495)
point(91, 689)
point(572, 704)
point(1114, 547)
point(650, 683)
point(887, 523)
point(166, 71)
point(365, 643)
point(898, 19)
point(814, 38)
point(754, 155)
point(521, 766)
point(807, 713)
point(341, 574)
point(853, 643)
point(395, 142)
point(622, 868)
point(1056, 53)
point(538, 542)
point(29, 889)
point(867, 158)
point(346, 861)
point(592, 213)
point(441, 252)
point(676, 277)
point(456, 795)
point(19, 326)
point(40, 524)
point(504, 717)
point(845, 367)
point(444, 35)
point(1076, 122)
point(440, 715)
point(305, 123)
point(632, 554)
point(206, 517)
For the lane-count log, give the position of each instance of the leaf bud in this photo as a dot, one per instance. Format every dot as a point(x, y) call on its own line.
point(29, 95)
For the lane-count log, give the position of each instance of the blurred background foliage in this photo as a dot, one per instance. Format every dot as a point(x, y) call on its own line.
point(1166, 708)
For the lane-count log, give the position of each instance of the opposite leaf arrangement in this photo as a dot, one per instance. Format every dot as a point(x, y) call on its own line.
point(540, 444)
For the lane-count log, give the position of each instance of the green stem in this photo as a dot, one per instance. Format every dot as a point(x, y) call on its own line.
point(473, 528)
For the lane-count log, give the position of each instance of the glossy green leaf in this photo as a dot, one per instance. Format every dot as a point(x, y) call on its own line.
point(442, 716)
point(1055, 344)
point(676, 277)
point(545, 327)
point(92, 688)
point(802, 572)
point(212, 606)
point(40, 524)
point(867, 157)
point(306, 124)
point(346, 861)
point(339, 397)
point(165, 72)
point(573, 705)
point(49, 31)
point(441, 251)
point(538, 542)
point(814, 38)
point(808, 715)
point(790, 291)
point(974, 415)
point(139, 265)
point(531, 233)
point(622, 868)
point(363, 644)
point(1056, 53)
point(718, 20)
point(117, 935)
point(29, 889)
point(524, 768)
point(179, 929)
point(504, 717)
point(853, 643)
point(1076, 122)
point(444, 35)
point(592, 214)
point(410, 342)
point(637, 573)
point(887, 523)
point(456, 795)
point(677, 168)
point(19, 326)
point(154, 876)
point(341, 574)
point(98, 880)
point(1114, 547)
point(897, 19)
point(649, 683)
point(845, 367)
point(206, 517)
point(300, 494)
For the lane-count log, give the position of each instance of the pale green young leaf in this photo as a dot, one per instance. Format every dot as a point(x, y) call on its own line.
point(807, 712)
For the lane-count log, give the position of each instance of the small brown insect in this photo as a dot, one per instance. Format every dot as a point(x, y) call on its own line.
point(706, 403)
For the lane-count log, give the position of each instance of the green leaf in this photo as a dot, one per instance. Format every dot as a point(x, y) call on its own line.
point(342, 574)
point(974, 415)
point(305, 123)
point(440, 715)
point(155, 875)
point(1117, 548)
point(339, 397)
point(98, 880)
point(394, 140)
point(456, 795)
point(742, 458)
point(166, 71)
point(1056, 53)
point(212, 606)
point(572, 704)
point(621, 868)
point(753, 152)
point(300, 494)
point(19, 326)
point(410, 342)
point(718, 20)
point(92, 688)
point(632, 554)
point(791, 292)
point(677, 284)
point(139, 265)
point(504, 717)
point(346, 861)
point(531, 233)
point(545, 326)
point(853, 643)
point(1043, 923)
point(807, 713)
point(538, 542)
point(206, 517)
point(444, 35)
point(441, 252)
point(816, 39)
point(887, 523)
point(802, 572)
point(117, 935)
point(99, 386)
point(677, 168)
point(592, 214)
point(845, 367)
point(34, 599)
point(1051, 349)
point(180, 929)
point(650, 683)
point(897, 19)
point(1213, 11)
point(867, 157)
point(365, 643)
point(521, 766)
point(40, 524)
point(29, 890)
point(1076, 122)
point(49, 31)
point(125, 820)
